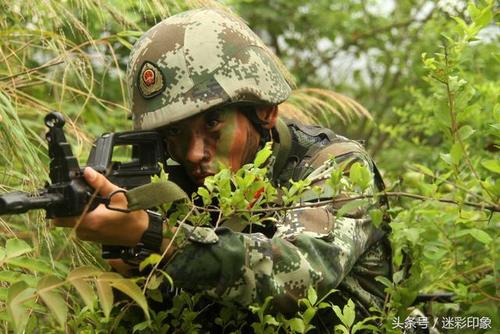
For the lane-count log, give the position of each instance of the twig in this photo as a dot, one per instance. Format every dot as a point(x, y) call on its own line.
point(34, 69)
point(450, 183)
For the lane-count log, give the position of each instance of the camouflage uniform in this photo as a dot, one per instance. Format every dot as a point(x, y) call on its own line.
point(310, 247)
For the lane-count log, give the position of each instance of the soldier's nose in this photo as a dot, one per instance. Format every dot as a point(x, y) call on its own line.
point(196, 150)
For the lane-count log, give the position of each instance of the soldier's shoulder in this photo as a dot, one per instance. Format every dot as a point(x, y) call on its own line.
point(339, 151)
point(327, 144)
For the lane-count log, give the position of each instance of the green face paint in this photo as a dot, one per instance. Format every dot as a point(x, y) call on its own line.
point(203, 142)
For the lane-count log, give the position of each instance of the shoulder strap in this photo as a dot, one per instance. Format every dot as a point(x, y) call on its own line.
point(285, 144)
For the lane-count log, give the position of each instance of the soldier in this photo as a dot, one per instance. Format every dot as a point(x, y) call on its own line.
point(205, 81)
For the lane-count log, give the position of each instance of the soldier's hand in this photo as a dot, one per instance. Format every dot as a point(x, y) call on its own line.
point(103, 225)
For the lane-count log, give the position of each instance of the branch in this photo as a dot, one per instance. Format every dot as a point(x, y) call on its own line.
point(493, 208)
point(455, 127)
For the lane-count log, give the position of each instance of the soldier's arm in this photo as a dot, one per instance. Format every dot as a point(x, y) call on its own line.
point(310, 248)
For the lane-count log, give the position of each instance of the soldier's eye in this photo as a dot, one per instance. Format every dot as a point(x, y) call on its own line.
point(212, 123)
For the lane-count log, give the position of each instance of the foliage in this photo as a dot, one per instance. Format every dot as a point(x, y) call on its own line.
point(453, 248)
point(426, 70)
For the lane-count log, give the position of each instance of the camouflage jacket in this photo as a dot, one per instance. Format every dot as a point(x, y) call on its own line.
point(309, 247)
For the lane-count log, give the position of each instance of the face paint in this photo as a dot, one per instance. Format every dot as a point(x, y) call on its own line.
point(202, 142)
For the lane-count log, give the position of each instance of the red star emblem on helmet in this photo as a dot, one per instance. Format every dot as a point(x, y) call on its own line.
point(148, 77)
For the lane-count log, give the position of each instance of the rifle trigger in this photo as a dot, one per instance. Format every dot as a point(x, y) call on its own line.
point(107, 201)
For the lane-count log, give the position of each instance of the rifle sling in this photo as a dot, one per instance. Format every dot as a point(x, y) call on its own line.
point(153, 195)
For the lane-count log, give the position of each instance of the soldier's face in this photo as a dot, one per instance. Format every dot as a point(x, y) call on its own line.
point(203, 142)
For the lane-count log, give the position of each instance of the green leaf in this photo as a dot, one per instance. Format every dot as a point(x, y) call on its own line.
point(18, 293)
point(141, 326)
point(376, 215)
point(52, 299)
point(446, 158)
point(351, 206)
point(473, 10)
point(312, 296)
point(456, 153)
point(125, 43)
point(270, 320)
point(465, 132)
point(309, 315)
point(155, 282)
point(434, 253)
point(77, 279)
point(129, 288)
point(34, 265)
point(384, 280)
point(413, 234)
point(205, 195)
point(167, 276)
point(480, 235)
point(349, 313)
point(3, 294)
point(323, 305)
point(492, 186)
point(338, 313)
point(407, 295)
point(17, 247)
point(360, 175)
point(424, 169)
point(461, 22)
point(360, 326)
point(484, 18)
point(150, 260)
point(128, 33)
point(105, 294)
point(9, 276)
point(491, 165)
point(263, 155)
point(86, 292)
point(341, 328)
point(296, 324)
point(84, 272)
point(398, 276)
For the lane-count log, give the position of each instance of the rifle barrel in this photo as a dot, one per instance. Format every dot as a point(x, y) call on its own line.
point(20, 202)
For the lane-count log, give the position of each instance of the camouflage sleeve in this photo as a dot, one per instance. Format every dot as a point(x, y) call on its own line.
point(310, 248)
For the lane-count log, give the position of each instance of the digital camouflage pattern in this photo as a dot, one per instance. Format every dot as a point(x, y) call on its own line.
point(311, 247)
point(196, 60)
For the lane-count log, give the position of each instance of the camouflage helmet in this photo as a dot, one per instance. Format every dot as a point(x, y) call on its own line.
point(196, 60)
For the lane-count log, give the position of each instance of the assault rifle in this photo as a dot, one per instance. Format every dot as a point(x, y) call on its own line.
point(67, 194)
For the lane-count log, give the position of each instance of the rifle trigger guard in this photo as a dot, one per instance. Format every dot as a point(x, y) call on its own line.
point(108, 201)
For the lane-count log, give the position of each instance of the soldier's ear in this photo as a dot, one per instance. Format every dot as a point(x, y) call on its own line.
point(268, 115)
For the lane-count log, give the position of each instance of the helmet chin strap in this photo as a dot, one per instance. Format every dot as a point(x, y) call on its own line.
point(266, 135)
